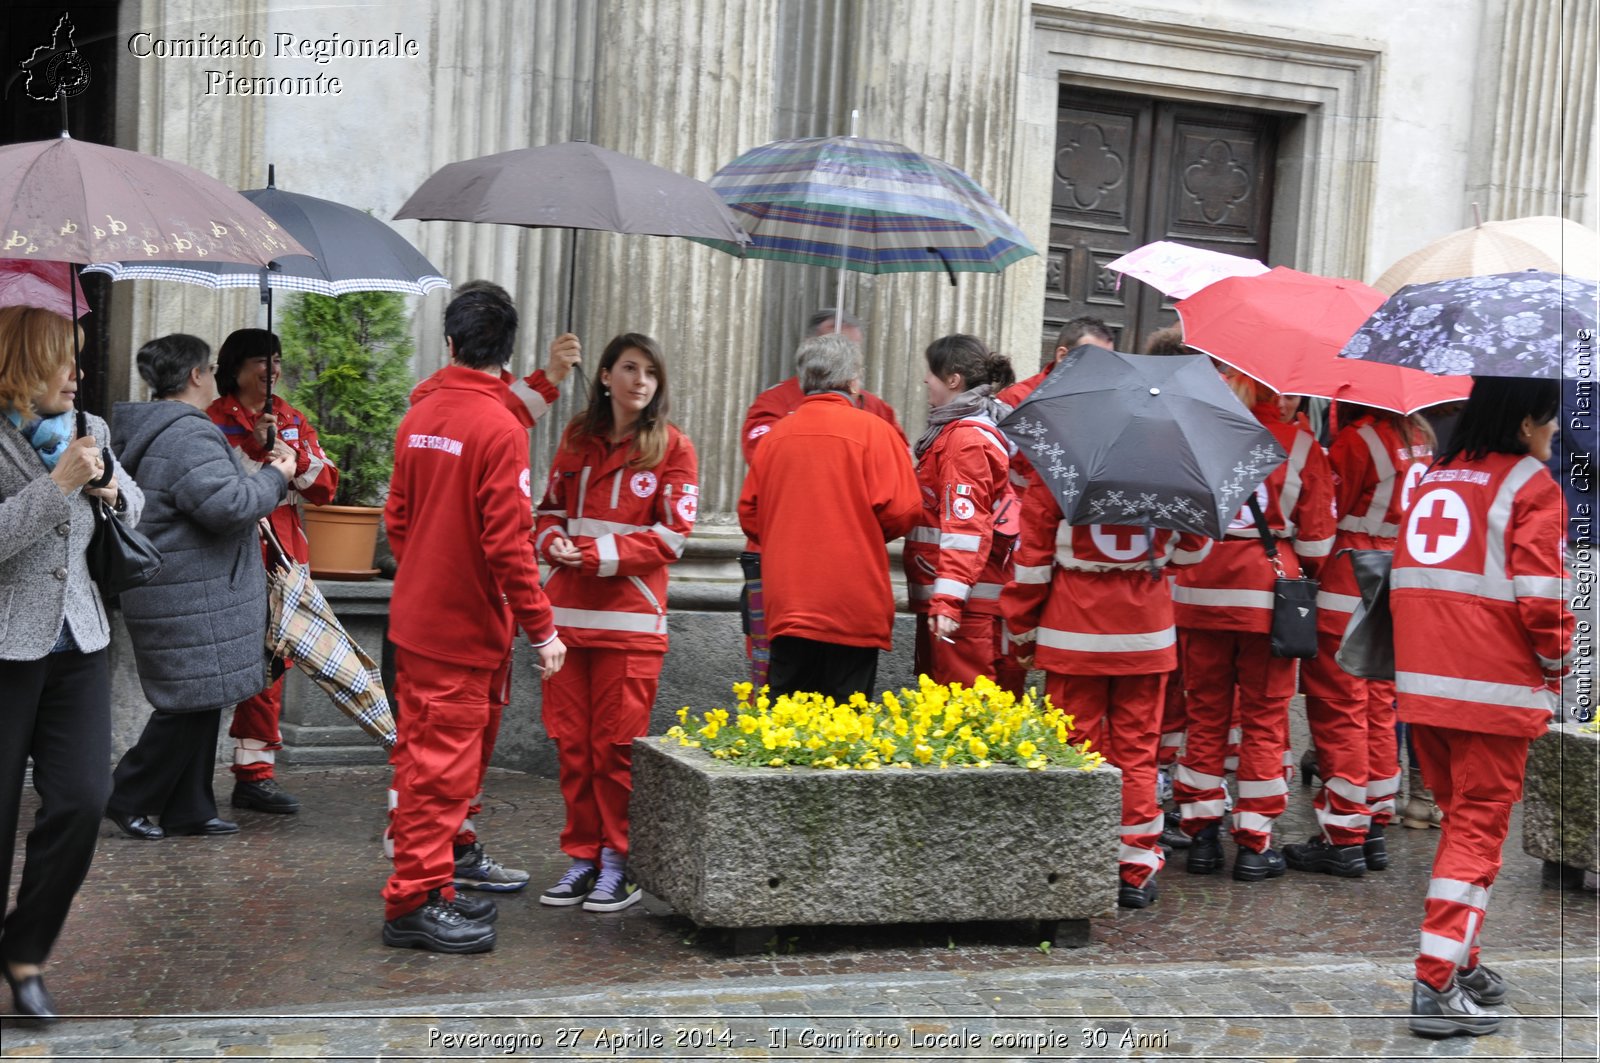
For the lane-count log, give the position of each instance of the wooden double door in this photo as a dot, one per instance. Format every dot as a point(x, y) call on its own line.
point(1130, 170)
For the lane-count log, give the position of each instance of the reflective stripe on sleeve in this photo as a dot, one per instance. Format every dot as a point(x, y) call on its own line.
point(536, 403)
point(1538, 587)
point(606, 548)
point(952, 588)
point(1314, 547)
point(1032, 573)
point(674, 540)
point(595, 527)
point(1477, 691)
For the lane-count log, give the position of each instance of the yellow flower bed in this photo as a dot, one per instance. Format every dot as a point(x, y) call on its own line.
point(934, 725)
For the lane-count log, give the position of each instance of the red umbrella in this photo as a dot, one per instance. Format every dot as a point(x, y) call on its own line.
point(1388, 387)
point(1264, 326)
point(41, 284)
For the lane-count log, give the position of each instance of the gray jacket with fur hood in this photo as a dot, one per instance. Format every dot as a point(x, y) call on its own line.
point(44, 579)
point(198, 627)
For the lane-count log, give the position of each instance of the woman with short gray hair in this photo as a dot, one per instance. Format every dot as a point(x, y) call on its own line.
point(198, 628)
point(828, 363)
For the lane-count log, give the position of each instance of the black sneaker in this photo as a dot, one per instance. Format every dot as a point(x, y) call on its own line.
point(1205, 852)
point(478, 909)
point(1375, 849)
point(573, 887)
point(438, 926)
point(612, 892)
point(1172, 836)
point(1318, 854)
point(1447, 1013)
point(264, 795)
point(1483, 985)
point(1251, 866)
point(477, 870)
point(1137, 896)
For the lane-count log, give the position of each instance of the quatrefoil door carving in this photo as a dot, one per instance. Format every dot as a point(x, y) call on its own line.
point(1216, 183)
point(1088, 167)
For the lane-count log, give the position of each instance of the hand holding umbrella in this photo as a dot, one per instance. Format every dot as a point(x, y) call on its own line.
point(566, 352)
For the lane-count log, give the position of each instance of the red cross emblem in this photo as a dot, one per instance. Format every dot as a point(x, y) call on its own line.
point(1438, 527)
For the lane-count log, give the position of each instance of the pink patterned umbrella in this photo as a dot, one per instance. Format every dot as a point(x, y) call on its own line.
point(1179, 270)
point(40, 284)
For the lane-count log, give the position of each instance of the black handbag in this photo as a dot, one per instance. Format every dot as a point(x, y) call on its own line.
point(119, 557)
point(1294, 599)
point(1367, 649)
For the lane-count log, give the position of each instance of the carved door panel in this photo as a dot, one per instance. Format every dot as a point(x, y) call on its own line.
point(1129, 170)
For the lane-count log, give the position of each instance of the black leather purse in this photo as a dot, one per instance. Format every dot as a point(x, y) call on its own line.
point(1367, 649)
point(120, 558)
point(1294, 600)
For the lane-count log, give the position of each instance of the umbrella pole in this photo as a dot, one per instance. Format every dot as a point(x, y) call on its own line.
point(572, 299)
point(266, 301)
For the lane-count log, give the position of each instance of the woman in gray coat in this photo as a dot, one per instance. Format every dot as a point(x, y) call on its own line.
point(55, 689)
point(198, 627)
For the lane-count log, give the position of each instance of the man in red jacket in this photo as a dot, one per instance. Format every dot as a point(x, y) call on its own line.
point(459, 519)
point(830, 485)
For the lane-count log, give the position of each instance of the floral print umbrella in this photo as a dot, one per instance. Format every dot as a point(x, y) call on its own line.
point(1525, 324)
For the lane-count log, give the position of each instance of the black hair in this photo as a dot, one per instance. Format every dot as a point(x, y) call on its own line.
point(166, 362)
point(241, 346)
point(1073, 332)
point(482, 323)
point(1492, 420)
point(972, 359)
point(827, 316)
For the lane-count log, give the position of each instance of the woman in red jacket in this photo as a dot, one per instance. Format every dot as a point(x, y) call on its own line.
point(244, 361)
point(1482, 636)
point(622, 499)
point(1090, 604)
point(1224, 609)
point(957, 558)
point(1377, 459)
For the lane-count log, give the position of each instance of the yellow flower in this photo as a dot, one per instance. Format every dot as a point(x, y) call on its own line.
point(1026, 749)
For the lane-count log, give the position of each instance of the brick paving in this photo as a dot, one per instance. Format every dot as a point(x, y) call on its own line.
point(231, 947)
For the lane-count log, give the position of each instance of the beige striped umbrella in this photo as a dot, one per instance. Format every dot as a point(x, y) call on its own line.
point(1556, 245)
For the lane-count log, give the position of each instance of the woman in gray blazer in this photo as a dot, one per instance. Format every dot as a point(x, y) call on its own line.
point(56, 702)
point(199, 627)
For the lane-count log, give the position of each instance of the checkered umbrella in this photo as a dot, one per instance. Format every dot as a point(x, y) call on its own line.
point(301, 627)
point(867, 205)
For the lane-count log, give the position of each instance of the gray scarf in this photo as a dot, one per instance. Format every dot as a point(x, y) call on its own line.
point(973, 402)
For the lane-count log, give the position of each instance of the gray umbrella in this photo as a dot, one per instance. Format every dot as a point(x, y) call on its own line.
point(1143, 440)
point(1526, 324)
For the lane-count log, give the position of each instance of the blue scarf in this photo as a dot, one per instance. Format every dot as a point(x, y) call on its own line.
point(48, 435)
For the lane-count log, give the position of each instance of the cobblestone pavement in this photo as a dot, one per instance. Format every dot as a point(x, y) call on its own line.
point(266, 943)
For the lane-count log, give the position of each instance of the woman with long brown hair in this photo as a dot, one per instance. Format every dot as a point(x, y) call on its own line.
point(622, 499)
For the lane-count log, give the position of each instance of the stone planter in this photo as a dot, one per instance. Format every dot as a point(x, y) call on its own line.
point(1561, 802)
point(753, 847)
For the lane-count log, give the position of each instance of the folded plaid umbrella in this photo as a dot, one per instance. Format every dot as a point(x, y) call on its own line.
point(301, 627)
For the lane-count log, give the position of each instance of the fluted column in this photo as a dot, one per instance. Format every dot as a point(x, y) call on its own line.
point(949, 90)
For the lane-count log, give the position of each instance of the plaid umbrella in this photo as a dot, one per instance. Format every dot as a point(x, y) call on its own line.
point(868, 205)
point(301, 627)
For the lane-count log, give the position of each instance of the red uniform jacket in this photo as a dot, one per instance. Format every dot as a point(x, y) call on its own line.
point(783, 399)
point(528, 399)
point(1374, 474)
point(315, 477)
point(1084, 593)
point(955, 559)
point(1231, 590)
point(1482, 631)
point(828, 487)
point(630, 524)
point(460, 524)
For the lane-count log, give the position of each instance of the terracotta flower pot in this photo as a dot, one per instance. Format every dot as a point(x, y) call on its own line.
point(343, 540)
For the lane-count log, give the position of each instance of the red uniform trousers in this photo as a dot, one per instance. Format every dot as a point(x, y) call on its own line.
point(1358, 757)
point(1120, 715)
point(976, 649)
point(594, 708)
point(1475, 778)
point(1174, 714)
point(1008, 671)
point(1221, 669)
point(255, 733)
point(438, 763)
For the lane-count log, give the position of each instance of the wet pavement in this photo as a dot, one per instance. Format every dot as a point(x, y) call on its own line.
point(204, 947)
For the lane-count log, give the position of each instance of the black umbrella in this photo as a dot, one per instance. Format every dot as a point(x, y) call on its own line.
point(1142, 440)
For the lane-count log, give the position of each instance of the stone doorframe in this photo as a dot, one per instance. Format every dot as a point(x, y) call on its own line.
point(1326, 162)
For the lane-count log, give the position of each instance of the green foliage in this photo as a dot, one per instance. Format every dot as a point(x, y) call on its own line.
point(347, 367)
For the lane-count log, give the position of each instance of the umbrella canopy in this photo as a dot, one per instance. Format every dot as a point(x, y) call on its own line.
point(1143, 440)
point(1388, 387)
point(67, 200)
point(301, 627)
point(1557, 245)
point(355, 252)
point(47, 285)
point(1528, 324)
point(866, 205)
point(573, 186)
point(1264, 325)
point(1179, 270)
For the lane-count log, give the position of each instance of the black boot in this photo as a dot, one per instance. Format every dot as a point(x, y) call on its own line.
point(1447, 1013)
point(1318, 854)
point(1205, 853)
point(1308, 767)
point(1251, 866)
point(1375, 849)
point(1129, 896)
point(438, 926)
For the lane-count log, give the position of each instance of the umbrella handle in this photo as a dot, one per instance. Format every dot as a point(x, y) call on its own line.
point(946, 260)
point(277, 556)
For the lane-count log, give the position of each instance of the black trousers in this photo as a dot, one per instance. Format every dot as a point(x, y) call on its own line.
point(806, 665)
point(56, 710)
point(167, 773)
